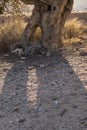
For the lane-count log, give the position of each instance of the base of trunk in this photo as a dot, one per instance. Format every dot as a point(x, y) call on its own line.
point(50, 17)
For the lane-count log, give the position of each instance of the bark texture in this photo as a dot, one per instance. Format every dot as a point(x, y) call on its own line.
point(3, 5)
point(50, 16)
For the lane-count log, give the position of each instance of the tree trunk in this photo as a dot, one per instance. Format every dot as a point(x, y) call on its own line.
point(50, 16)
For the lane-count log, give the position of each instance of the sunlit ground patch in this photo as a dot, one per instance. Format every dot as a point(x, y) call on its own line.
point(32, 87)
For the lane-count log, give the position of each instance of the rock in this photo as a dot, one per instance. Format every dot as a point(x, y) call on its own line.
point(63, 112)
point(1, 115)
point(83, 119)
point(23, 58)
point(10, 122)
point(18, 51)
point(21, 120)
point(42, 65)
point(5, 69)
point(53, 83)
point(56, 102)
point(74, 106)
point(83, 51)
point(6, 55)
point(71, 72)
point(16, 109)
point(48, 54)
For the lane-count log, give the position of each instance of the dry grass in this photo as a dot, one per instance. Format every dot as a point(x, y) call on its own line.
point(73, 31)
point(10, 32)
point(37, 34)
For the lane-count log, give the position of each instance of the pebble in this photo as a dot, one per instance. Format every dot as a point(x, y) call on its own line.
point(74, 106)
point(48, 54)
point(53, 83)
point(10, 122)
point(83, 118)
point(6, 55)
point(23, 58)
point(63, 112)
point(16, 109)
point(21, 120)
point(56, 102)
point(30, 67)
point(42, 65)
point(1, 115)
point(71, 72)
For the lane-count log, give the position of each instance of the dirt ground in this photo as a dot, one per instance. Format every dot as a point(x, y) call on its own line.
point(43, 92)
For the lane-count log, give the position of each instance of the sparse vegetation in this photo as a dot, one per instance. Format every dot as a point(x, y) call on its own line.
point(11, 31)
point(73, 31)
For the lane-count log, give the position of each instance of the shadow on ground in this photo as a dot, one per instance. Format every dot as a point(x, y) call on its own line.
point(42, 93)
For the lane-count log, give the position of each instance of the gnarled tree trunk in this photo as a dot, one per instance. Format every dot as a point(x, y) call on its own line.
point(50, 16)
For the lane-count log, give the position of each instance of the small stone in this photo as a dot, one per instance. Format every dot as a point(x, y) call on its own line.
point(63, 84)
point(77, 123)
point(16, 109)
point(13, 94)
point(1, 115)
point(5, 69)
point(84, 121)
point(83, 51)
point(63, 112)
point(6, 55)
point(42, 65)
point(55, 98)
point(56, 102)
point(31, 68)
point(17, 51)
point(68, 91)
point(48, 54)
point(83, 118)
point(85, 97)
point(21, 120)
point(53, 83)
point(71, 72)
point(10, 122)
point(74, 106)
point(42, 53)
point(23, 58)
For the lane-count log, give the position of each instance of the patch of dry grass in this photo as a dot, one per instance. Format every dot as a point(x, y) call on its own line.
point(10, 32)
point(73, 31)
point(37, 34)
point(12, 29)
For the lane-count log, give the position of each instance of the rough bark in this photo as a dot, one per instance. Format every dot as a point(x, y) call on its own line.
point(3, 5)
point(50, 16)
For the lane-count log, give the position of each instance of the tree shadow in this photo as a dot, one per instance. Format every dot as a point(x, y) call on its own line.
point(42, 93)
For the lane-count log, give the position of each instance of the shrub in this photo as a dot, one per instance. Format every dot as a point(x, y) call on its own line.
point(73, 31)
point(12, 29)
point(10, 32)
